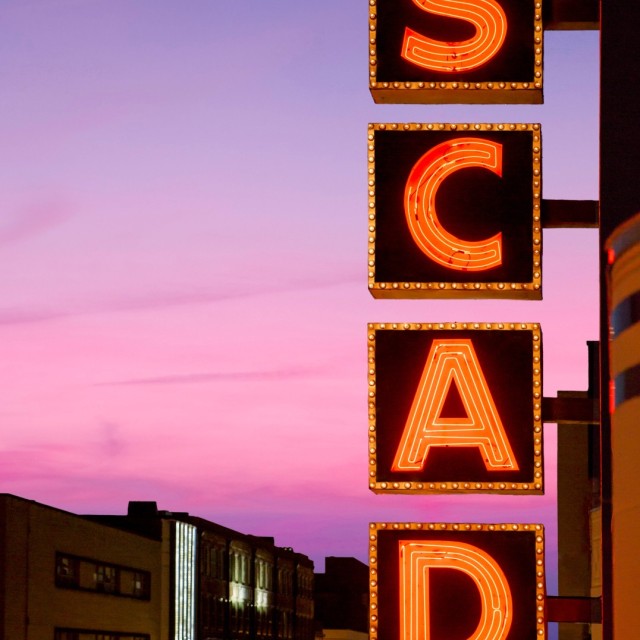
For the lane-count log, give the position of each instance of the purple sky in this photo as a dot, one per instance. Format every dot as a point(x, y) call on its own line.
point(184, 296)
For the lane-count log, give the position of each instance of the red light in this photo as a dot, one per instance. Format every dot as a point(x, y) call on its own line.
point(453, 360)
point(612, 397)
point(420, 204)
point(418, 558)
point(487, 16)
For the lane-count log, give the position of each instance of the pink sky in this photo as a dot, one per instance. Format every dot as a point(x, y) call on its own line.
point(184, 296)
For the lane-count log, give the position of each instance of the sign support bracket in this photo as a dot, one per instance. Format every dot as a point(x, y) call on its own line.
point(570, 214)
point(572, 15)
point(571, 408)
point(584, 610)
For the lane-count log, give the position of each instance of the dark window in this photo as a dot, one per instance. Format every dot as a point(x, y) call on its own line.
point(67, 570)
point(82, 634)
point(86, 574)
point(134, 583)
point(140, 584)
point(106, 579)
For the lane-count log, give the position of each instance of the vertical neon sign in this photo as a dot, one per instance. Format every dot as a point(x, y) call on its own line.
point(455, 212)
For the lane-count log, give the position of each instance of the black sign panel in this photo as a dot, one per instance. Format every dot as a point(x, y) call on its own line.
point(454, 578)
point(455, 407)
point(454, 210)
point(427, 51)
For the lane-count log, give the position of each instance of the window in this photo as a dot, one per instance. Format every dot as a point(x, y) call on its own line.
point(212, 552)
point(140, 587)
point(67, 570)
point(106, 579)
point(232, 567)
point(82, 634)
point(73, 572)
point(134, 584)
point(213, 559)
point(240, 564)
point(285, 581)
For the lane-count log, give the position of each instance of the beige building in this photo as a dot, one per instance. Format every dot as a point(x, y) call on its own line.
point(624, 312)
point(63, 577)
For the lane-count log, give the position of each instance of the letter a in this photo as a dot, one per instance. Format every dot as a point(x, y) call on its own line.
point(452, 360)
point(418, 558)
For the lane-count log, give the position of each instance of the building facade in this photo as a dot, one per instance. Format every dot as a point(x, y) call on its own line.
point(342, 600)
point(63, 577)
point(225, 585)
point(623, 292)
point(148, 575)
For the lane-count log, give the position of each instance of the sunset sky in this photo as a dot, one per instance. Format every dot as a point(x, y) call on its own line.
point(183, 249)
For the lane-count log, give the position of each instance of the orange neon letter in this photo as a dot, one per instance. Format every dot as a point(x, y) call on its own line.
point(418, 558)
point(453, 360)
point(420, 204)
point(487, 16)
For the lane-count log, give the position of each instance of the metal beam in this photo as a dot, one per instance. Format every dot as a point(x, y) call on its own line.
point(578, 409)
point(574, 214)
point(571, 15)
point(586, 610)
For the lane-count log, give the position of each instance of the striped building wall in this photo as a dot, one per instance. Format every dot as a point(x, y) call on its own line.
point(624, 324)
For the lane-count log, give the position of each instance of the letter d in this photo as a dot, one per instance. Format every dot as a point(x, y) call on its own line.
point(419, 557)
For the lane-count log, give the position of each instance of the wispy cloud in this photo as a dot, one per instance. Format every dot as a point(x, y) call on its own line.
point(111, 444)
point(164, 300)
point(67, 476)
point(218, 376)
point(18, 316)
point(33, 219)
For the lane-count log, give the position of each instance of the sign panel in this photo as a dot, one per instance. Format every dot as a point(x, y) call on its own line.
point(455, 407)
point(454, 210)
point(432, 581)
point(455, 51)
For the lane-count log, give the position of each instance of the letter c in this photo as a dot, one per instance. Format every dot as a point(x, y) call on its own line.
point(420, 204)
